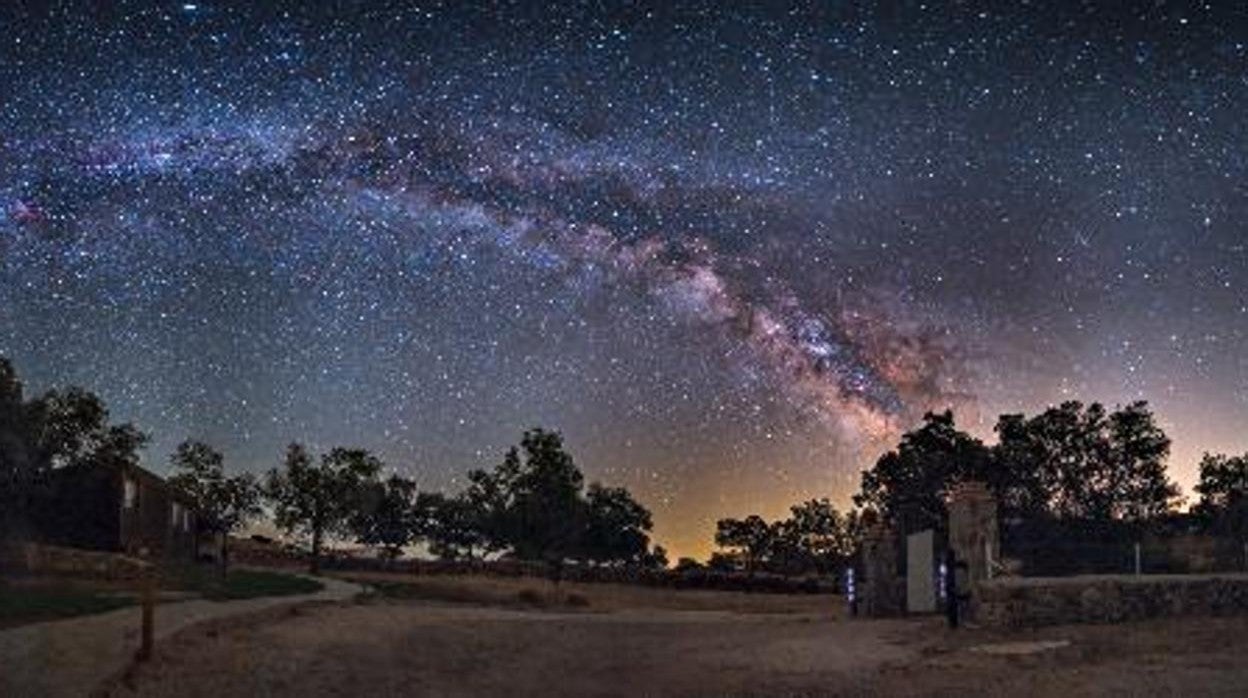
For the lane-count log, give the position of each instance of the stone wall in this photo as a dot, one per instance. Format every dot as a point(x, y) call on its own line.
point(1029, 602)
point(32, 558)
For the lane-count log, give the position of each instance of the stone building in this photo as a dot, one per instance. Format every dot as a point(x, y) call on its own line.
point(123, 509)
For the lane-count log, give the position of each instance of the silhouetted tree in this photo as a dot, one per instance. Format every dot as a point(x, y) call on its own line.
point(546, 520)
point(487, 505)
point(616, 526)
point(319, 499)
point(58, 429)
point(452, 526)
point(387, 516)
point(750, 538)
point(657, 558)
point(823, 537)
point(74, 430)
point(1023, 484)
point(1223, 490)
point(534, 505)
point(688, 564)
point(908, 486)
point(725, 561)
point(814, 538)
point(1083, 462)
point(223, 504)
point(1068, 461)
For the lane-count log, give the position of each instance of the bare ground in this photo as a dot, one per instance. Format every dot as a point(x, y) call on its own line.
point(644, 642)
point(1165, 657)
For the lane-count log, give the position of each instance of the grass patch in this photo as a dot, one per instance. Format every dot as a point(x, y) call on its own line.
point(250, 584)
point(428, 592)
point(20, 605)
point(455, 591)
point(495, 590)
point(240, 584)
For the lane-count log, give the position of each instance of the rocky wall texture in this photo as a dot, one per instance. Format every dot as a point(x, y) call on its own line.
point(1028, 602)
point(32, 558)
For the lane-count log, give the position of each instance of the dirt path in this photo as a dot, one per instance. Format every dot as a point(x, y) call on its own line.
point(72, 657)
point(423, 648)
point(427, 649)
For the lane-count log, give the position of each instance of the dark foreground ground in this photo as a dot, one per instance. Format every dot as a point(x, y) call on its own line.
point(617, 641)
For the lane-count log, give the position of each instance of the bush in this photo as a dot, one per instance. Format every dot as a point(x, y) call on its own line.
point(531, 597)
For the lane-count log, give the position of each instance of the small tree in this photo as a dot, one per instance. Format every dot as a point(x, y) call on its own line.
point(452, 525)
point(751, 538)
point(616, 526)
point(821, 535)
point(534, 504)
point(387, 517)
point(487, 504)
point(222, 504)
point(318, 499)
point(656, 559)
point(688, 564)
point(1223, 490)
point(546, 512)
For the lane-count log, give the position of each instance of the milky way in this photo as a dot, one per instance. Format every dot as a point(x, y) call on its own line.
point(731, 253)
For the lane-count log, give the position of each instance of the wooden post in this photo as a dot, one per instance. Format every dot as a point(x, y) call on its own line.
point(149, 612)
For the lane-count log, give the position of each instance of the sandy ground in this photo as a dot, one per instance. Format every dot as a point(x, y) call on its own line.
point(427, 649)
point(71, 657)
point(1169, 657)
point(640, 642)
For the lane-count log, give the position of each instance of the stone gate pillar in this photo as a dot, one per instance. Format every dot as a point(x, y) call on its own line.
point(973, 532)
point(881, 589)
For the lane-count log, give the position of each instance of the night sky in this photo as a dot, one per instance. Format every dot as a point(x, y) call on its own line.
point(731, 253)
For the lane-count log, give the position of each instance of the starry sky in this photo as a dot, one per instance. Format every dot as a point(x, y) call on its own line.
point(731, 252)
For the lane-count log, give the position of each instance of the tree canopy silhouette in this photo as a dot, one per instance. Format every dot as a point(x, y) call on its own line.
point(387, 516)
point(60, 428)
point(1069, 461)
point(534, 505)
point(814, 538)
point(223, 504)
point(1223, 490)
point(320, 498)
point(909, 485)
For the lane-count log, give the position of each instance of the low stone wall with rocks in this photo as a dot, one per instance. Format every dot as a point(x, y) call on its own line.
point(33, 558)
point(1028, 602)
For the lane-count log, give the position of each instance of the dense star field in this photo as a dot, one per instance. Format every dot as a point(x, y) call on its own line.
point(731, 253)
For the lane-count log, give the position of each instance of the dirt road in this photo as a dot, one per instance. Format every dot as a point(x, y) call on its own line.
point(422, 649)
point(646, 643)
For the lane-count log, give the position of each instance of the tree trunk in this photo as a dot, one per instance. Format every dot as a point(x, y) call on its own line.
point(316, 550)
point(225, 555)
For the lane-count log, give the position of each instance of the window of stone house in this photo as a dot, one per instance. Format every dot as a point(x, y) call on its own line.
point(130, 494)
